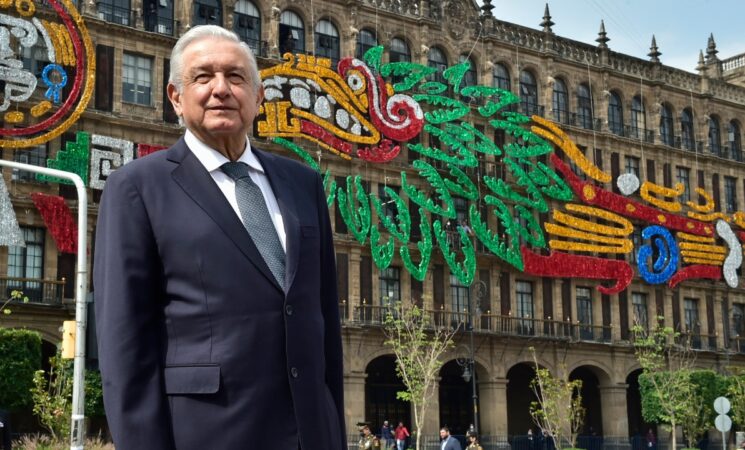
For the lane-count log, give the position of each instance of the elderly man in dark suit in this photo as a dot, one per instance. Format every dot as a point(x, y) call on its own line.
point(216, 303)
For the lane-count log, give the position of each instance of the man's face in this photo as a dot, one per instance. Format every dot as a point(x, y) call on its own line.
point(444, 434)
point(218, 101)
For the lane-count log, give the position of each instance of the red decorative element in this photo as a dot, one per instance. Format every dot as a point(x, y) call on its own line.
point(379, 154)
point(80, 71)
point(320, 133)
point(59, 221)
point(594, 195)
point(146, 149)
point(695, 271)
point(740, 235)
point(400, 120)
point(563, 265)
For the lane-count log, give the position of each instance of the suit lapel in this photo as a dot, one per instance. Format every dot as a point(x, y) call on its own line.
point(282, 186)
point(198, 184)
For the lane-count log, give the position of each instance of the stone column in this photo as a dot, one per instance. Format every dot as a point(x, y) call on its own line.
point(493, 407)
point(615, 416)
point(354, 399)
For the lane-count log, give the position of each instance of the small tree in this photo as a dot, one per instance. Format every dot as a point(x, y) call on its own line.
point(52, 394)
point(418, 346)
point(736, 394)
point(14, 295)
point(665, 383)
point(558, 409)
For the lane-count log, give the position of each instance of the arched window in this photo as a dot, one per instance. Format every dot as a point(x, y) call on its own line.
point(638, 118)
point(327, 41)
point(584, 107)
point(560, 103)
point(615, 114)
point(437, 60)
point(366, 40)
point(208, 12)
point(528, 93)
point(666, 125)
point(399, 51)
point(686, 129)
point(247, 24)
point(715, 139)
point(291, 33)
point(501, 77)
point(735, 140)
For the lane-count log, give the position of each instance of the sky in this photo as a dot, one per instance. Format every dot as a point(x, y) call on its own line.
point(681, 27)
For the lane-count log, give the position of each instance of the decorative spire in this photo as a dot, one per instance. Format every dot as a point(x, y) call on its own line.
point(547, 23)
point(486, 9)
point(603, 38)
point(711, 49)
point(701, 65)
point(654, 53)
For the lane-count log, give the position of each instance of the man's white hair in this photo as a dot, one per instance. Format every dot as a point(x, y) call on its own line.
point(203, 32)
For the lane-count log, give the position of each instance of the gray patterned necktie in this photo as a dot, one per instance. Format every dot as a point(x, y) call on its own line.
point(256, 219)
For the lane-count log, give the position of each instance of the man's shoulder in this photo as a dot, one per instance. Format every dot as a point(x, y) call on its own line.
point(293, 166)
point(151, 165)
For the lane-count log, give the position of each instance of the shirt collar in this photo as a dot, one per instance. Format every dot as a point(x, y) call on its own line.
point(211, 159)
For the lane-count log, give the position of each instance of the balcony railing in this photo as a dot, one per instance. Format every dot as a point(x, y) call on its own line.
point(48, 292)
point(373, 315)
point(530, 109)
point(116, 14)
point(639, 133)
point(160, 24)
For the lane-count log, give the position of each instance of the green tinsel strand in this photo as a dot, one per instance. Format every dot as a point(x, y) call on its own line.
point(401, 230)
point(482, 143)
point(466, 270)
point(373, 56)
point(419, 271)
point(559, 190)
point(305, 156)
point(357, 219)
point(462, 186)
point(382, 254)
point(429, 173)
point(449, 108)
point(412, 73)
point(509, 252)
point(534, 198)
point(506, 99)
point(329, 186)
point(532, 232)
point(454, 74)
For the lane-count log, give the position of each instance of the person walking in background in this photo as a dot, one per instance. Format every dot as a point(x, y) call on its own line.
point(448, 442)
point(651, 440)
point(401, 433)
point(216, 303)
point(473, 442)
point(386, 435)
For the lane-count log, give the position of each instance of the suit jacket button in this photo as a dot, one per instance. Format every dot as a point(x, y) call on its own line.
point(288, 310)
point(293, 372)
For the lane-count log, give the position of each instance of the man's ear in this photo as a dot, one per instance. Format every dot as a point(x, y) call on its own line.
point(259, 95)
point(175, 97)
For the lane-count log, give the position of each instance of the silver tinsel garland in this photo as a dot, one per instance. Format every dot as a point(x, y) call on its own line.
point(10, 233)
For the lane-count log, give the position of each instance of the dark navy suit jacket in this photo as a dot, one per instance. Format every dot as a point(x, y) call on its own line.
point(199, 346)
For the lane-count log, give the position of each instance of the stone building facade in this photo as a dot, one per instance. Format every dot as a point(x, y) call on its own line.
point(625, 113)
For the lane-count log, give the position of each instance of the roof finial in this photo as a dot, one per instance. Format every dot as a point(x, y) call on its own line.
point(711, 49)
point(486, 9)
point(701, 65)
point(603, 38)
point(654, 53)
point(547, 23)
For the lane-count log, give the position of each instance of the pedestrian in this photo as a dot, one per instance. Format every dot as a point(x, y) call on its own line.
point(401, 433)
point(216, 309)
point(448, 442)
point(473, 442)
point(367, 441)
point(386, 435)
point(651, 440)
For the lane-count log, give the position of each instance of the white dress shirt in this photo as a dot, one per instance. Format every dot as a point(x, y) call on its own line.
point(212, 160)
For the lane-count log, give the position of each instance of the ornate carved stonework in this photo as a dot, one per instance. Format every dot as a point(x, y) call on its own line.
point(456, 23)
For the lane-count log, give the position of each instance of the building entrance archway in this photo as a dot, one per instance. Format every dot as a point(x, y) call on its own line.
point(381, 386)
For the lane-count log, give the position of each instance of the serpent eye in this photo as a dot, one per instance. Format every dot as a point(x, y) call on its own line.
point(356, 81)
